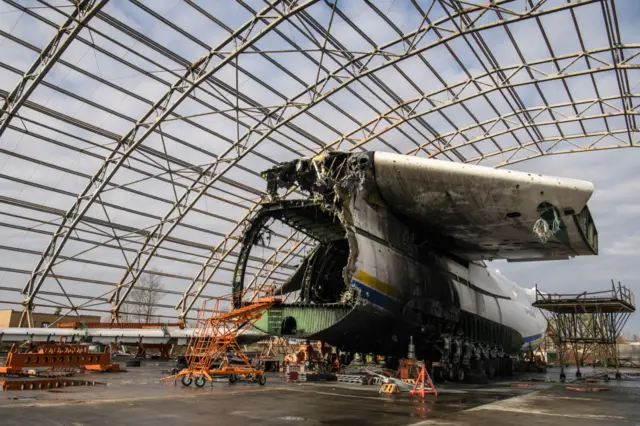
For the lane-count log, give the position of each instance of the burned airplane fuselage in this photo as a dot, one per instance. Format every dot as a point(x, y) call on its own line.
point(396, 256)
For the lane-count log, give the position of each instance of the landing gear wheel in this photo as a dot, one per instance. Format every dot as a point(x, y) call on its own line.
point(496, 367)
point(200, 381)
point(262, 379)
point(437, 374)
point(509, 366)
point(490, 368)
point(563, 377)
point(233, 378)
point(186, 381)
point(451, 374)
point(478, 366)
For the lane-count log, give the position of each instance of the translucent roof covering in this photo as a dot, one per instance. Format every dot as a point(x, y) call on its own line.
point(133, 133)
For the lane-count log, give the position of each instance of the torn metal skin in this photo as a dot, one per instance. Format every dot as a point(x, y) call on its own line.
point(347, 216)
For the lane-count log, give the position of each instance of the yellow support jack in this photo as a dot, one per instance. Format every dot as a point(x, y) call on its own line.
point(389, 388)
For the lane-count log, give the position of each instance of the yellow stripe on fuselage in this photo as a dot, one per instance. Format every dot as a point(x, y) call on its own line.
point(373, 282)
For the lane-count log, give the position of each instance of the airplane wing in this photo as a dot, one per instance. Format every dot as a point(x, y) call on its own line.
point(481, 213)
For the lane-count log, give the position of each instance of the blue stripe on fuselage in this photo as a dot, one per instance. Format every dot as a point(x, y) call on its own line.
point(389, 303)
point(532, 338)
point(376, 297)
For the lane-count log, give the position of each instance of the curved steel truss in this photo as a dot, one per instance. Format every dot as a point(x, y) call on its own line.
point(133, 136)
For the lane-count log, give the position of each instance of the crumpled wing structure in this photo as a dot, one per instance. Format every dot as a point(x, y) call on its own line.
point(482, 213)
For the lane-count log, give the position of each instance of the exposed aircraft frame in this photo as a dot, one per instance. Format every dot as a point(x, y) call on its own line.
point(125, 162)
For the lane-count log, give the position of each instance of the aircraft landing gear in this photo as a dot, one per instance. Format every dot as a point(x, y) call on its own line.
point(459, 373)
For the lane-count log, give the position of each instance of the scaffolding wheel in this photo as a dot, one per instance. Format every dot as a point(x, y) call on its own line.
point(200, 381)
point(233, 378)
point(262, 379)
point(618, 375)
point(563, 377)
point(186, 381)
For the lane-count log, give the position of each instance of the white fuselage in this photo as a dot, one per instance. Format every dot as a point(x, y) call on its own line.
point(499, 300)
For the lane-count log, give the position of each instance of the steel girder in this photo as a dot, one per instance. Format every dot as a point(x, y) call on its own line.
point(513, 79)
point(273, 121)
point(206, 179)
point(196, 75)
point(83, 12)
point(319, 96)
point(408, 117)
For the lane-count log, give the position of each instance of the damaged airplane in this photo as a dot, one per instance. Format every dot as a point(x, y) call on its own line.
point(400, 246)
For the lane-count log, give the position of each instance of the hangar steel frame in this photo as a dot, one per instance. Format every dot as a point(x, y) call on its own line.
point(151, 151)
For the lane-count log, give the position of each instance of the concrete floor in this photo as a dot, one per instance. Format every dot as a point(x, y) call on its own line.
point(137, 397)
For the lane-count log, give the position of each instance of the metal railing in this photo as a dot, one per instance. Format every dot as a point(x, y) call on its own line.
point(618, 292)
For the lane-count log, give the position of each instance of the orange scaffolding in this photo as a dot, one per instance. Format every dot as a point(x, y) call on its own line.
point(215, 341)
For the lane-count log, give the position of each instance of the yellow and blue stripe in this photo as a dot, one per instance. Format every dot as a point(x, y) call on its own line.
point(377, 291)
point(534, 340)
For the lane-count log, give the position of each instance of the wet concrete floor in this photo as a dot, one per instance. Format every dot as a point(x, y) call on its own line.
point(138, 397)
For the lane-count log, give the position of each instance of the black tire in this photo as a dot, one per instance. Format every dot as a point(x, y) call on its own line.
point(451, 374)
point(502, 367)
point(496, 367)
point(233, 378)
point(200, 381)
point(262, 380)
point(478, 366)
point(186, 381)
point(508, 366)
point(436, 374)
point(490, 368)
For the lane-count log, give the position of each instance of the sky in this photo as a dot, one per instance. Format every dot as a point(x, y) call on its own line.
point(136, 57)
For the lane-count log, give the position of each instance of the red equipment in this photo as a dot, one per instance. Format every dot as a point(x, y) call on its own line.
point(57, 355)
point(215, 339)
point(419, 387)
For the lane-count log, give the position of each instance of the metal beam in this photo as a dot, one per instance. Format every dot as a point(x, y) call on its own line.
point(275, 119)
point(83, 12)
point(437, 97)
point(510, 130)
point(199, 72)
